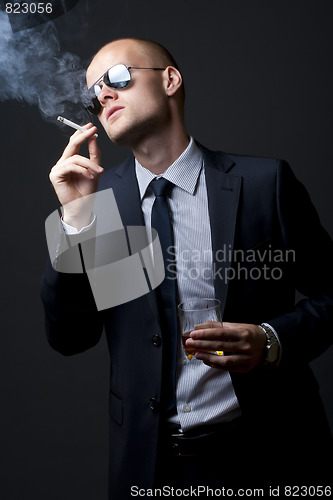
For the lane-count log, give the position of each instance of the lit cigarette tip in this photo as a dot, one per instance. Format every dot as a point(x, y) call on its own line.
point(74, 125)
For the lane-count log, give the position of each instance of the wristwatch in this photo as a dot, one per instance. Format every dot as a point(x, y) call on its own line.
point(272, 349)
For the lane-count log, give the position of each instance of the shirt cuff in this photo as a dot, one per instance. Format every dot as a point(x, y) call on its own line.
point(72, 230)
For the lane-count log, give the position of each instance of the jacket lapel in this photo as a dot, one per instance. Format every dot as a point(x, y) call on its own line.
point(223, 190)
point(126, 190)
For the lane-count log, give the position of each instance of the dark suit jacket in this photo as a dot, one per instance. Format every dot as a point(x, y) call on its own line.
point(254, 204)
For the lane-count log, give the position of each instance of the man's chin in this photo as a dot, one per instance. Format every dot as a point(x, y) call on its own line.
point(123, 137)
point(116, 136)
point(118, 139)
point(129, 134)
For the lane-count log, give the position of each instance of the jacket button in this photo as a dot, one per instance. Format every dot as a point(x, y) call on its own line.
point(154, 404)
point(156, 340)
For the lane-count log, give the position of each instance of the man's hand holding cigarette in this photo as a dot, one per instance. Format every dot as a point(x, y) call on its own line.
point(74, 177)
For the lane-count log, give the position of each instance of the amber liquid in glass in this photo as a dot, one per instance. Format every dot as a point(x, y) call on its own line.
point(188, 350)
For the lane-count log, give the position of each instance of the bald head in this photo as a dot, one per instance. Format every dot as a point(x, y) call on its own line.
point(157, 54)
point(154, 53)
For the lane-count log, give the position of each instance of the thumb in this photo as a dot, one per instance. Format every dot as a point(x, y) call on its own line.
point(94, 151)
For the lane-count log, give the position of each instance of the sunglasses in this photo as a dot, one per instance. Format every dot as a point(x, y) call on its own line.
point(118, 77)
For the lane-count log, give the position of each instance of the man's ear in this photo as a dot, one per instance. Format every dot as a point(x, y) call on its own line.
point(172, 80)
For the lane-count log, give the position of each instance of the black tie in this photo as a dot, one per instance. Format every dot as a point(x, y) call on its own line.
point(166, 292)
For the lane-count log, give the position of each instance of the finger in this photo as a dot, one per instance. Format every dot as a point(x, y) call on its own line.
point(208, 324)
point(209, 345)
point(94, 151)
point(77, 139)
point(233, 363)
point(82, 161)
point(57, 175)
point(223, 333)
point(207, 333)
point(203, 345)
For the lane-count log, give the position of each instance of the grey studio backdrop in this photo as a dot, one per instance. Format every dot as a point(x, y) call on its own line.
point(259, 81)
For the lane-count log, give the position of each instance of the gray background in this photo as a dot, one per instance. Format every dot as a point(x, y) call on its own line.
point(259, 81)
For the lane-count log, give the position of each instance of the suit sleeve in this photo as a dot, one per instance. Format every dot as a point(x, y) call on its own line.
point(307, 330)
point(73, 323)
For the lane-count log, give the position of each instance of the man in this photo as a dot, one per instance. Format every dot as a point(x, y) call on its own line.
point(252, 416)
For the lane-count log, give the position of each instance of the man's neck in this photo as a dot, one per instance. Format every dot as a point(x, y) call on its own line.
point(157, 153)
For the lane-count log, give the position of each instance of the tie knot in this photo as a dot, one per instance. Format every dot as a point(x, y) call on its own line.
point(161, 186)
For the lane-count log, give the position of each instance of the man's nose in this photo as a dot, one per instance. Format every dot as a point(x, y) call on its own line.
point(106, 93)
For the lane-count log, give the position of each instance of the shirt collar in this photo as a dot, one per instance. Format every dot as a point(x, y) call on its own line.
point(184, 172)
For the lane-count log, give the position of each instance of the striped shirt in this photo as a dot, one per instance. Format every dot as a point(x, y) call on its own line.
point(204, 395)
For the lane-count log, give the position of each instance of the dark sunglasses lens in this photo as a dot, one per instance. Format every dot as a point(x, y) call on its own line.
point(118, 77)
point(95, 106)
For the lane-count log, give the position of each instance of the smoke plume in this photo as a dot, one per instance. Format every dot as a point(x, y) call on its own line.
point(33, 69)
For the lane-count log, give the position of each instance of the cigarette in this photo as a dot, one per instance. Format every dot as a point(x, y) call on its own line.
point(73, 125)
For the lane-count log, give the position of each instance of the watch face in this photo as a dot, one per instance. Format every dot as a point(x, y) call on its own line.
point(273, 353)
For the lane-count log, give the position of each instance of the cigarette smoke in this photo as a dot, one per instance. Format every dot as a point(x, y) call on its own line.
point(33, 69)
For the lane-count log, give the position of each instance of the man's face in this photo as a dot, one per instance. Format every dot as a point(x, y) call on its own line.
point(131, 114)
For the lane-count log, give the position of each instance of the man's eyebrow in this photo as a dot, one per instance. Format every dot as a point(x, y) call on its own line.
point(98, 79)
